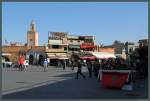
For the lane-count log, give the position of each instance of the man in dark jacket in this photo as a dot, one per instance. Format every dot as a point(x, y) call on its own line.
point(89, 66)
point(79, 71)
point(96, 68)
point(63, 64)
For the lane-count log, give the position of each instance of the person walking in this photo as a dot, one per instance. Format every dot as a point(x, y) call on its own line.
point(58, 64)
point(96, 68)
point(45, 65)
point(89, 66)
point(79, 71)
point(21, 62)
point(63, 64)
point(73, 65)
point(26, 63)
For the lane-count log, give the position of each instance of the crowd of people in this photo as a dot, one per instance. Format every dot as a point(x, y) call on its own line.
point(23, 67)
point(93, 66)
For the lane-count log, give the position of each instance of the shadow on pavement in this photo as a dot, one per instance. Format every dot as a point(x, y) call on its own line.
point(89, 88)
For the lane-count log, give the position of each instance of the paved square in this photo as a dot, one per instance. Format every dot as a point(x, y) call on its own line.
point(61, 84)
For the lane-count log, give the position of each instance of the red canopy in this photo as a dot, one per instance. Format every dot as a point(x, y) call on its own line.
point(88, 57)
point(82, 46)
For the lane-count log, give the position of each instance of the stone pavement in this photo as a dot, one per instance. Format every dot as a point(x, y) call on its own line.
point(14, 80)
point(60, 84)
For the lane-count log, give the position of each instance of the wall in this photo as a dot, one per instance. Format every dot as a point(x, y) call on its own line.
point(36, 39)
point(109, 50)
point(14, 50)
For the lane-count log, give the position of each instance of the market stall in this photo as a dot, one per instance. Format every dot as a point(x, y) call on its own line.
point(114, 78)
point(115, 73)
point(88, 57)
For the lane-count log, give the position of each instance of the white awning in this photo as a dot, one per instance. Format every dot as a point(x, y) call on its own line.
point(57, 55)
point(6, 54)
point(103, 55)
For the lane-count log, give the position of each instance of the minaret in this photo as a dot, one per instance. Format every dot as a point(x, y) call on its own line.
point(32, 35)
point(32, 26)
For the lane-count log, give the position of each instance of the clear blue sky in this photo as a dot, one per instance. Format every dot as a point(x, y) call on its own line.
point(107, 21)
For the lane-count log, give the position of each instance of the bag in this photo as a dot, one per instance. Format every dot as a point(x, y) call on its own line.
point(128, 87)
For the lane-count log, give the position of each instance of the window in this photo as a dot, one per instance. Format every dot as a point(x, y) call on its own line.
point(65, 48)
point(55, 46)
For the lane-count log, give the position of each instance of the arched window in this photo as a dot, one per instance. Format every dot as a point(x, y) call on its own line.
point(130, 50)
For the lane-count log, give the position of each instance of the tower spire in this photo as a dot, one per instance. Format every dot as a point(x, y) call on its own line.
point(32, 26)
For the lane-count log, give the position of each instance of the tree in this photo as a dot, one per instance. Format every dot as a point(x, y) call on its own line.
point(143, 52)
point(25, 44)
point(116, 42)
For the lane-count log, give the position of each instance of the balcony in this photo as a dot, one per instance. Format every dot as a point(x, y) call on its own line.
point(61, 50)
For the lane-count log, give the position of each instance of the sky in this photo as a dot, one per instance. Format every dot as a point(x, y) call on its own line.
point(107, 21)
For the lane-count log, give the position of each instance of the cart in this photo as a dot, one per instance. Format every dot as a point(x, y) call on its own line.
point(114, 78)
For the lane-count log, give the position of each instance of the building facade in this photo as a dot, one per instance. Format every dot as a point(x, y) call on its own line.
point(30, 54)
point(108, 49)
point(73, 43)
point(87, 43)
point(57, 47)
point(36, 56)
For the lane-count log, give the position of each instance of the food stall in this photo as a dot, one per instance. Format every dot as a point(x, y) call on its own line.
point(115, 75)
point(84, 56)
point(88, 57)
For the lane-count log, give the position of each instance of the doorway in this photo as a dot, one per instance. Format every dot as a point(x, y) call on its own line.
point(31, 59)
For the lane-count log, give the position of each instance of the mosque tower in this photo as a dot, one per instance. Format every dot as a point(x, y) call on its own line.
point(32, 35)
